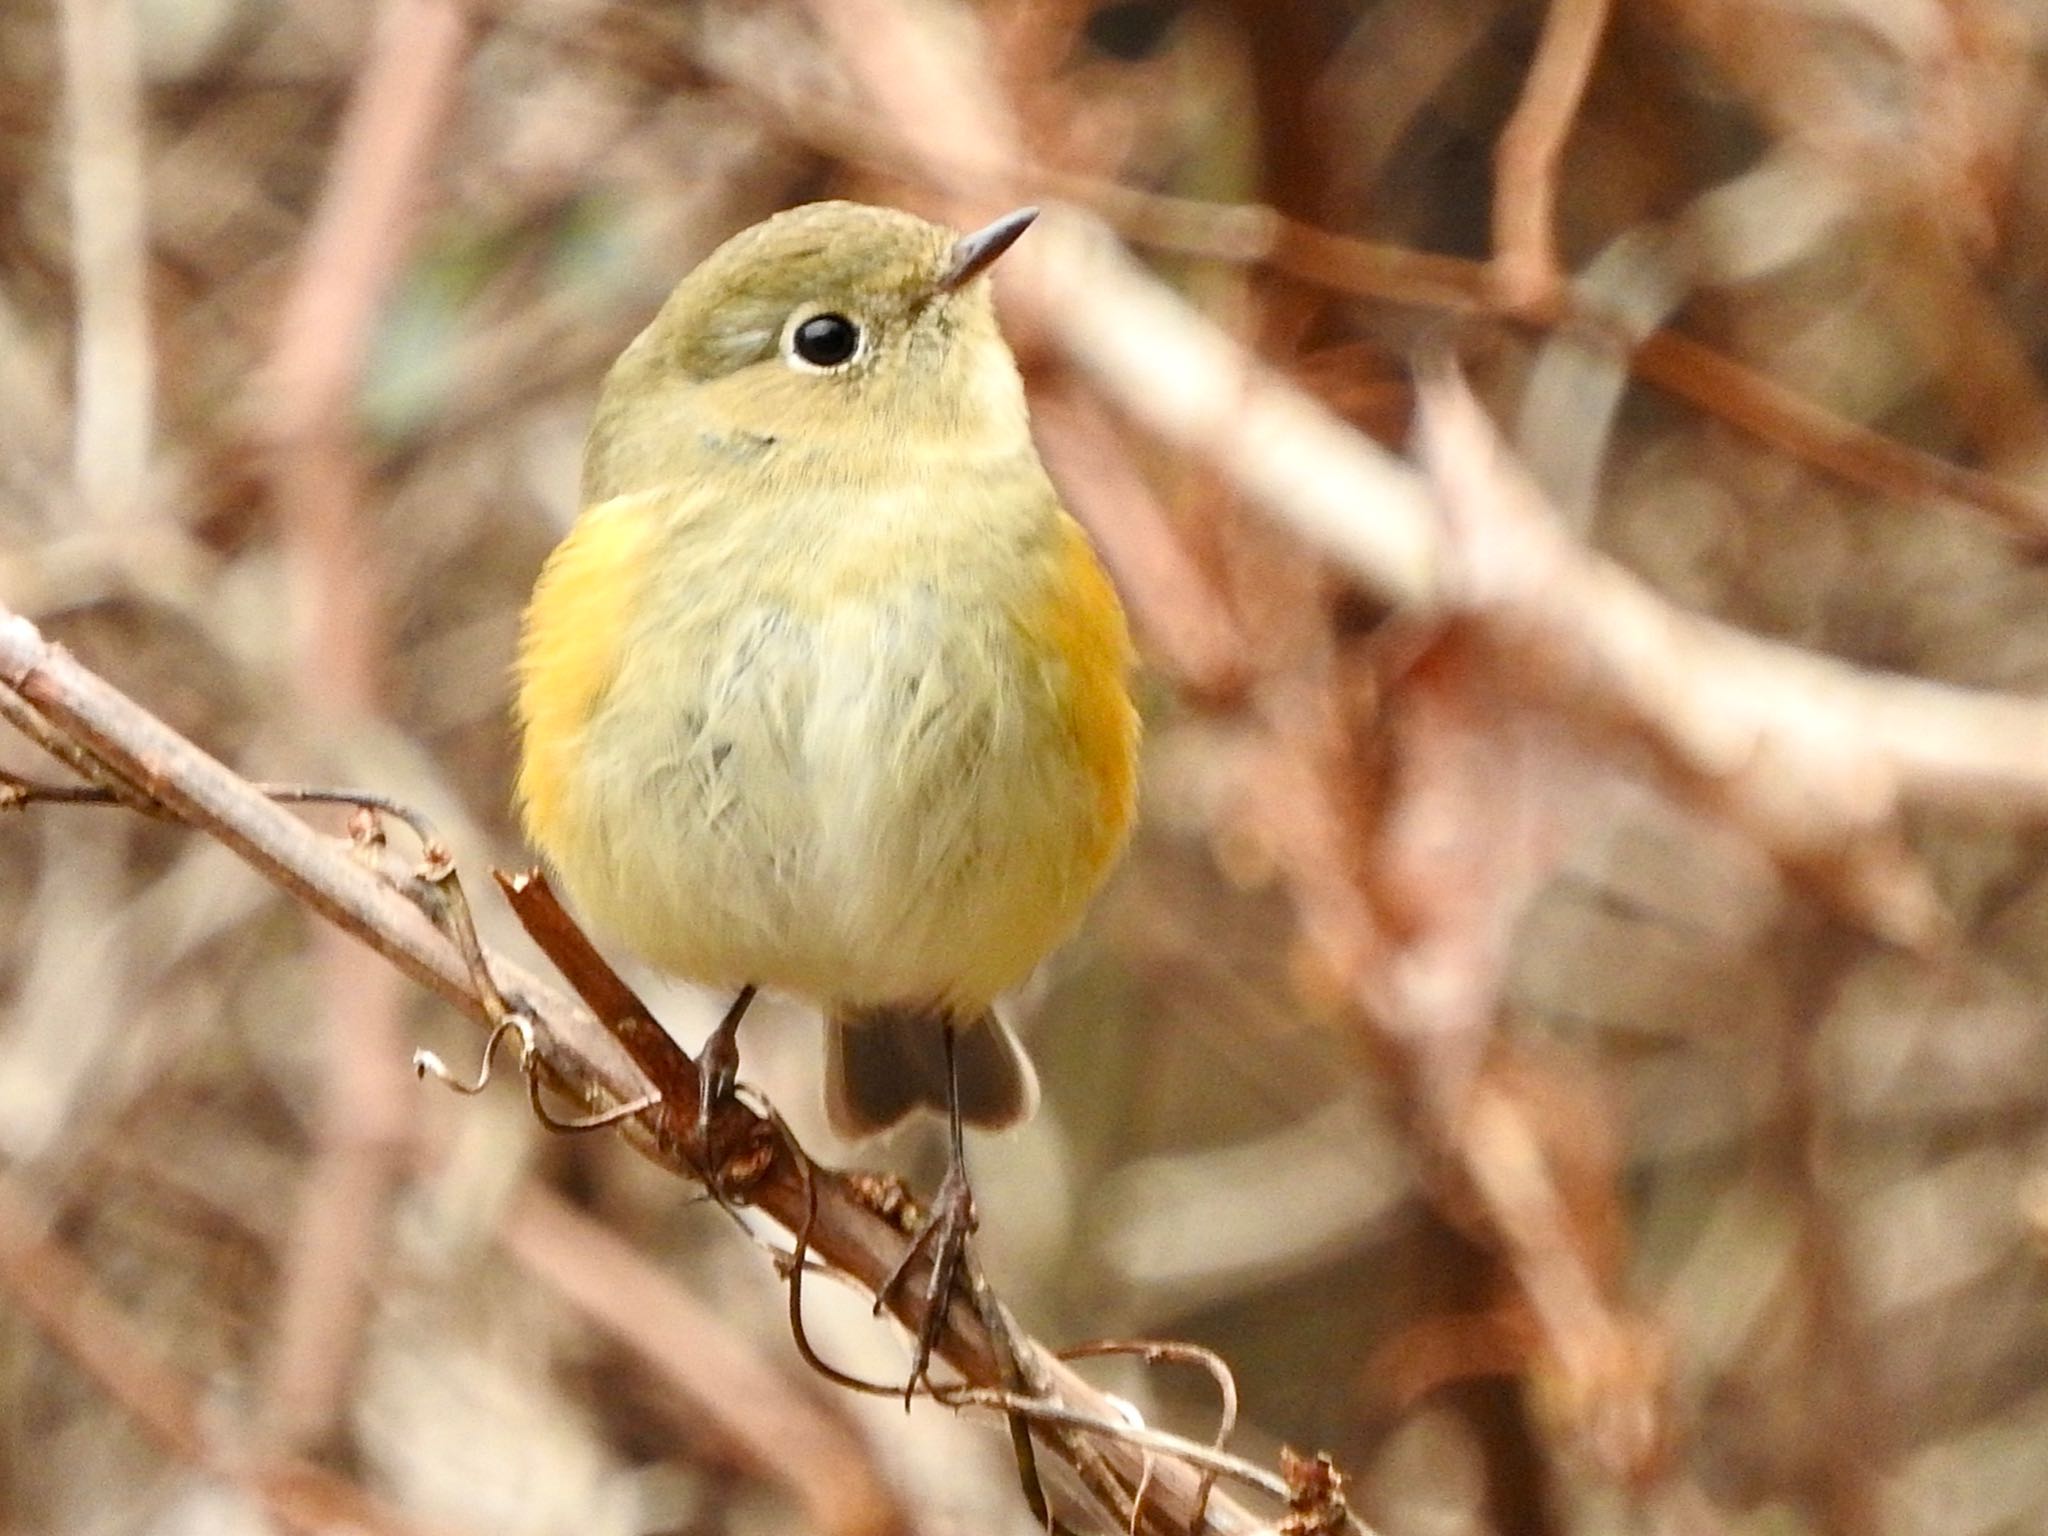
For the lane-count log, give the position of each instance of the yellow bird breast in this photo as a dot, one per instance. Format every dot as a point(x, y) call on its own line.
point(855, 751)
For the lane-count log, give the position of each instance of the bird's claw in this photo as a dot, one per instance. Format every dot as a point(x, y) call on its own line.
point(718, 1071)
point(718, 1075)
point(941, 1236)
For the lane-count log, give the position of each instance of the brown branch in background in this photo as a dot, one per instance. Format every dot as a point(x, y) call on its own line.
point(354, 251)
point(724, 1381)
point(1933, 156)
point(1853, 453)
point(593, 1062)
point(1987, 374)
point(114, 420)
point(1690, 370)
point(1526, 273)
point(353, 254)
point(1843, 1397)
point(1809, 756)
point(1681, 366)
point(57, 1293)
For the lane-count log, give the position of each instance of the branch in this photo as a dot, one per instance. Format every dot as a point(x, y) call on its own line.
point(1526, 273)
point(353, 254)
point(116, 382)
point(842, 1223)
point(1812, 757)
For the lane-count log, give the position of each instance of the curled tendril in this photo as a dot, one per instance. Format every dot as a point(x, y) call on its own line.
point(427, 1064)
point(519, 1026)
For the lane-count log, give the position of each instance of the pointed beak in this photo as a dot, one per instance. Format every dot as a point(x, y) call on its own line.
point(974, 254)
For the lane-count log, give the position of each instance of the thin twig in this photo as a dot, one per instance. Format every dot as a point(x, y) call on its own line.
point(115, 422)
point(1155, 1350)
point(1163, 1442)
point(354, 252)
point(1526, 273)
point(106, 787)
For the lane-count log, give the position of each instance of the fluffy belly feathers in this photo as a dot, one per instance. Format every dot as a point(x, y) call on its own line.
point(903, 794)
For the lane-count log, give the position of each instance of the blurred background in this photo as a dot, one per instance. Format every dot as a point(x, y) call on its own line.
point(1557, 1139)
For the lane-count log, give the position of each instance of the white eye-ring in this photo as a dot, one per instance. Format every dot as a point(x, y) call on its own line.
point(822, 342)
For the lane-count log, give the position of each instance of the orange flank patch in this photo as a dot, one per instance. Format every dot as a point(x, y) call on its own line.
point(569, 650)
point(1083, 625)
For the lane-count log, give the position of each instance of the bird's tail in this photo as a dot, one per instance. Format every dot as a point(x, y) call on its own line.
point(883, 1063)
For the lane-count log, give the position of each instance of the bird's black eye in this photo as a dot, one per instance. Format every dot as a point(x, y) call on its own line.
point(826, 341)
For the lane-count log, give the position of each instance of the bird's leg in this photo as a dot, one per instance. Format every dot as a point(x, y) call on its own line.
point(943, 1236)
point(718, 1066)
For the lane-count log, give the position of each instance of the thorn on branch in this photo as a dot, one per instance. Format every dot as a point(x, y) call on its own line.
point(1315, 1495)
point(366, 831)
point(887, 1196)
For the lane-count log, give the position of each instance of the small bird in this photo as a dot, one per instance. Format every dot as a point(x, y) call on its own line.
point(825, 692)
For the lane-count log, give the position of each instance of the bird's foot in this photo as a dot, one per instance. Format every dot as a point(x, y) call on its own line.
point(718, 1074)
point(941, 1238)
point(718, 1071)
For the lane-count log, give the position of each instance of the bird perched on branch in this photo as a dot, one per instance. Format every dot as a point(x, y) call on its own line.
point(825, 692)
